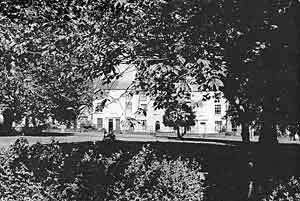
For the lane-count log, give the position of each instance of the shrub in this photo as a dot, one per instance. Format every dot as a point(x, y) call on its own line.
point(17, 182)
point(286, 190)
point(47, 172)
point(148, 178)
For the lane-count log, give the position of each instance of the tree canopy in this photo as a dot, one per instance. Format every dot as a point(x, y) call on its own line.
point(52, 50)
point(261, 49)
point(178, 116)
point(246, 49)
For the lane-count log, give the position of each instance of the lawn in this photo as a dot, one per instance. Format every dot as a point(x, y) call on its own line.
point(5, 141)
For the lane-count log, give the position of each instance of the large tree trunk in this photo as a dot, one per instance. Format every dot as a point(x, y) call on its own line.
point(268, 131)
point(268, 141)
point(268, 134)
point(245, 132)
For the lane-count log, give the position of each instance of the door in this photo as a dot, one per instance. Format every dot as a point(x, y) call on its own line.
point(117, 124)
point(110, 125)
point(157, 126)
point(144, 125)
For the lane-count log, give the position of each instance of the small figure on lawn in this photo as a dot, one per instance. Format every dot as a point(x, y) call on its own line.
point(109, 136)
point(296, 137)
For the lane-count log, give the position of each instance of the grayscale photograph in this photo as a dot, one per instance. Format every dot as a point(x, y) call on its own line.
point(149, 100)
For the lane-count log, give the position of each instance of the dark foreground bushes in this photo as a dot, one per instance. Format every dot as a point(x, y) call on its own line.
point(17, 181)
point(46, 172)
point(150, 178)
point(285, 190)
point(108, 172)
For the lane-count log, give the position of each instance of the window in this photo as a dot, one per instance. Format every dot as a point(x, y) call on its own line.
point(218, 125)
point(233, 127)
point(218, 109)
point(144, 106)
point(99, 123)
point(129, 106)
point(143, 97)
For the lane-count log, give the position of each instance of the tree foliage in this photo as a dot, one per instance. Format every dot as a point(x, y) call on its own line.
point(261, 50)
point(180, 115)
point(52, 50)
point(174, 52)
point(248, 50)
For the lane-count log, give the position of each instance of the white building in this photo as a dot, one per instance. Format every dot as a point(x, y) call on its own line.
point(119, 107)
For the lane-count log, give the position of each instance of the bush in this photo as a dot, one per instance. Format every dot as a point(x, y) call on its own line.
point(46, 172)
point(112, 171)
point(17, 182)
point(286, 190)
point(148, 178)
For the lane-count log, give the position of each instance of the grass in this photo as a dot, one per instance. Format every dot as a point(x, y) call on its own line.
point(62, 137)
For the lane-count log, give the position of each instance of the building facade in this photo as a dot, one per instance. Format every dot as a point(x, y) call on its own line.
point(120, 113)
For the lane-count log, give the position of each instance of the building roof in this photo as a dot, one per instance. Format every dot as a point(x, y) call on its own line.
point(127, 73)
point(127, 77)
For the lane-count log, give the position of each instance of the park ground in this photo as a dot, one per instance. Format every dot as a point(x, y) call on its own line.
point(76, 137)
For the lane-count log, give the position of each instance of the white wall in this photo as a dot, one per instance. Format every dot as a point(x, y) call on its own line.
point(117, 109)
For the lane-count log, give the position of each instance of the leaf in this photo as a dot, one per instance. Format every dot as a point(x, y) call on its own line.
point(215, 84)
point(181, 59)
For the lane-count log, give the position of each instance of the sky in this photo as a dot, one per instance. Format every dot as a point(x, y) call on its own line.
point(128, 73)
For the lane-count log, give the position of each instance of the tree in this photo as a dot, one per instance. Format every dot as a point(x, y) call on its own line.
point(261, 85)
point(73, 41)
point(247, 50)
point(260, 49)
point(68, 92)
point(174, 48)
point(179, 116)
